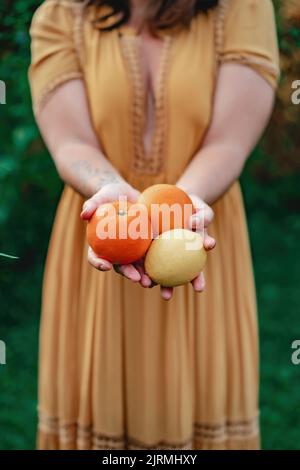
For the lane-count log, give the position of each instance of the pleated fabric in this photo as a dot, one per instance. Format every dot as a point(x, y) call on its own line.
point(122, 369)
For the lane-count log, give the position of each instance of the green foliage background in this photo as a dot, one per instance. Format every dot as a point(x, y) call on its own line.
point(29, 192)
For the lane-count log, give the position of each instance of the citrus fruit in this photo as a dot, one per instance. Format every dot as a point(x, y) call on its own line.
point(119, 232)
point(176, 257)
point(169, 207)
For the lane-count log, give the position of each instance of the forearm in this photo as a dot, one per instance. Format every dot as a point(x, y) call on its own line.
point(242, 107)
point(67, 129)
point(212, 171)
point(84, 167)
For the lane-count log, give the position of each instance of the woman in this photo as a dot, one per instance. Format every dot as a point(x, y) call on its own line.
point(129, 94)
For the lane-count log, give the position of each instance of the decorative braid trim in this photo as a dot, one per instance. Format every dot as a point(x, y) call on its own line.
point(160, 123)
point(49, 89)
point(135, 444)
point(128, 45)
point(220, 27)
point(86, 437)
point(83, 435)
point(249, 59)
point(228, 430)
point(151, 164)
point(79, 9)
point(246, 59)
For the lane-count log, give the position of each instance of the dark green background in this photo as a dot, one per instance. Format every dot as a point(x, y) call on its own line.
point(29, 191)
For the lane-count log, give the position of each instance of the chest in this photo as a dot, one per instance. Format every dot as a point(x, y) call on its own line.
point(149, 80)
point(149, 52)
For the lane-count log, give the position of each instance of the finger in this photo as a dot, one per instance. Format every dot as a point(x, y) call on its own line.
point(91, 205)
point(145, 279)
point(153, 284)
point(209, 242)
point(98, 263)
point(133, 195)
point(202, 218)
point(129, 271)
point(199, 283)
point(166, 292)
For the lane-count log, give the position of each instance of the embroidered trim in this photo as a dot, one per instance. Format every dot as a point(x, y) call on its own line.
point(135, 444)
point(245, 59)
point(228, 430)
point(79, 9)
point(128, 45)
point(160, 122)
point(220, 27)
point(150, 164)
point(86, 437)
point(49, 89)
point(248, 59)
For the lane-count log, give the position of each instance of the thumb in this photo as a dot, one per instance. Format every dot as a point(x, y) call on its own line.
point(133, 195)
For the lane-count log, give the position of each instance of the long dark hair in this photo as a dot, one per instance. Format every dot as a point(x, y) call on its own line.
point(158, 14)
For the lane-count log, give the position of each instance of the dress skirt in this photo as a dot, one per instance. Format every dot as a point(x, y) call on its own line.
point(120, 368)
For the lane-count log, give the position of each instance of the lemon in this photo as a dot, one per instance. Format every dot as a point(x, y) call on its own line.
point(176, 257)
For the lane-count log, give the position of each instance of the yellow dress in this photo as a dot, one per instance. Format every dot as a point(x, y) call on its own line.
point(120, 367)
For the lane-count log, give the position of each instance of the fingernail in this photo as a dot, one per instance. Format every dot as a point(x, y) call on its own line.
point(86, 206)
point(167, 297)
point(146, 281)
point(133, 276)
point(103, 267)
point(83, 212)
point(210, 245)
point(136, 277)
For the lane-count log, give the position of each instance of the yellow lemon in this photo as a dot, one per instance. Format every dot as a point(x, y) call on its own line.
point(176, 257)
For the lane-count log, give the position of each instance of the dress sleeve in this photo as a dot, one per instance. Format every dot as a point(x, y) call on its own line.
point(54, 57)
point(249, 36)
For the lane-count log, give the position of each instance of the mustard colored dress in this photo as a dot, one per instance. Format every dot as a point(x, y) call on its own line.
point(120, 368)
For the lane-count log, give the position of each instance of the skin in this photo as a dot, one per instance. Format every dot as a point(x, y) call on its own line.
point(236, 125)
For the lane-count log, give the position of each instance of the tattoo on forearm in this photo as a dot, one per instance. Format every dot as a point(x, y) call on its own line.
point(91, 176)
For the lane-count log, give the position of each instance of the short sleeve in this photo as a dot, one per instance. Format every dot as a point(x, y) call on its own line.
point(54, 58)
point(249, 36)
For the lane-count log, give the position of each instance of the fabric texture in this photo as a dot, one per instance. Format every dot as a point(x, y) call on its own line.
point(119, 367)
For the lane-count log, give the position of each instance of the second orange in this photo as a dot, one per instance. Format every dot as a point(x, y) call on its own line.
point(169, 207)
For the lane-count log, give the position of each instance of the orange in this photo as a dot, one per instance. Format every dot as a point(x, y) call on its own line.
point(169, 207)
point(119, 232)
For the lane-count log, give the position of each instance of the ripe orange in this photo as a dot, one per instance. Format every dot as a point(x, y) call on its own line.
point(120, 232)
point(169, 207)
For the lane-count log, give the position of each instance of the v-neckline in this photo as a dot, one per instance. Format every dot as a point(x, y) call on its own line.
point(131, 31)
point(130, 41)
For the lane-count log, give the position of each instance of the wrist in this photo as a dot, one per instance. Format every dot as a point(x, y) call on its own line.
point(106, 178)
point(191, 190)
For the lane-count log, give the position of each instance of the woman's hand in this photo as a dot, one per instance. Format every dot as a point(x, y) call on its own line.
point(136, 271)
point(198, 222)
point(109, 193)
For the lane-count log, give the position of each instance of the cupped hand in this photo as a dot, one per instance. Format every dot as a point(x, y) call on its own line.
point(135, 271)
point(109, 193)
point(199, 222)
